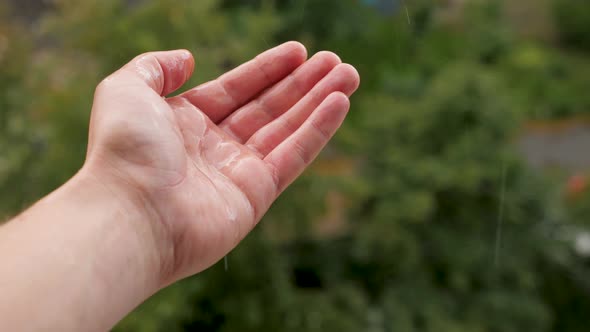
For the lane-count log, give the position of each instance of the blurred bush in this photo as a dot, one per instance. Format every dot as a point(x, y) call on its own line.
point(573, 20)
point(440, 226)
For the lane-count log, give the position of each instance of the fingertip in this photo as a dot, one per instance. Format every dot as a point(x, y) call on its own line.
point(183, 54)
point(331, 113)
point(293, 53)
point(178, 67)
point(338, 100)
point(353, 77)
point(189, 62)
point(329, 57)
point(297, 49)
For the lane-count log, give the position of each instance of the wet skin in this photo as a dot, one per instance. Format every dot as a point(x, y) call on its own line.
point(210, 161)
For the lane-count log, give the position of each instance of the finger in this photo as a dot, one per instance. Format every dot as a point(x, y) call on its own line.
point(294, 154)
point(277, 100)
point(164, 72)
point(224, 95)
point(344, 78)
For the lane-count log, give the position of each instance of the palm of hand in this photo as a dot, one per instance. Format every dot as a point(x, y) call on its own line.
point(213, 159)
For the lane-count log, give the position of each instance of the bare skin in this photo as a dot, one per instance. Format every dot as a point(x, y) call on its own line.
point(170, 185)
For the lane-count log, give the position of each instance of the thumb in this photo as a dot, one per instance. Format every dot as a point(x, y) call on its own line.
point(164, 72)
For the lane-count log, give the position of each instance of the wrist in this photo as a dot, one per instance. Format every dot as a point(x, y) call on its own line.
point(135, 215)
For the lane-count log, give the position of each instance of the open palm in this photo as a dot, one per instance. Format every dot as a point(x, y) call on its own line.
point(208, 163)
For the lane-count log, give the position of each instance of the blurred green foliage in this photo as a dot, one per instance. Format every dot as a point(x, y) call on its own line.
point(443, 227)
point(573, 18)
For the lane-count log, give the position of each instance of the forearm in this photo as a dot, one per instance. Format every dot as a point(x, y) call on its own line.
point(78, 260)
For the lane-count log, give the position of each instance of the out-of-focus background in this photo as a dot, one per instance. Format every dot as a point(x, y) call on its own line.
point(453, 199)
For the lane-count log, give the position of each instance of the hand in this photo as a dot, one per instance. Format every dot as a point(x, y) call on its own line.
point(203, 167)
